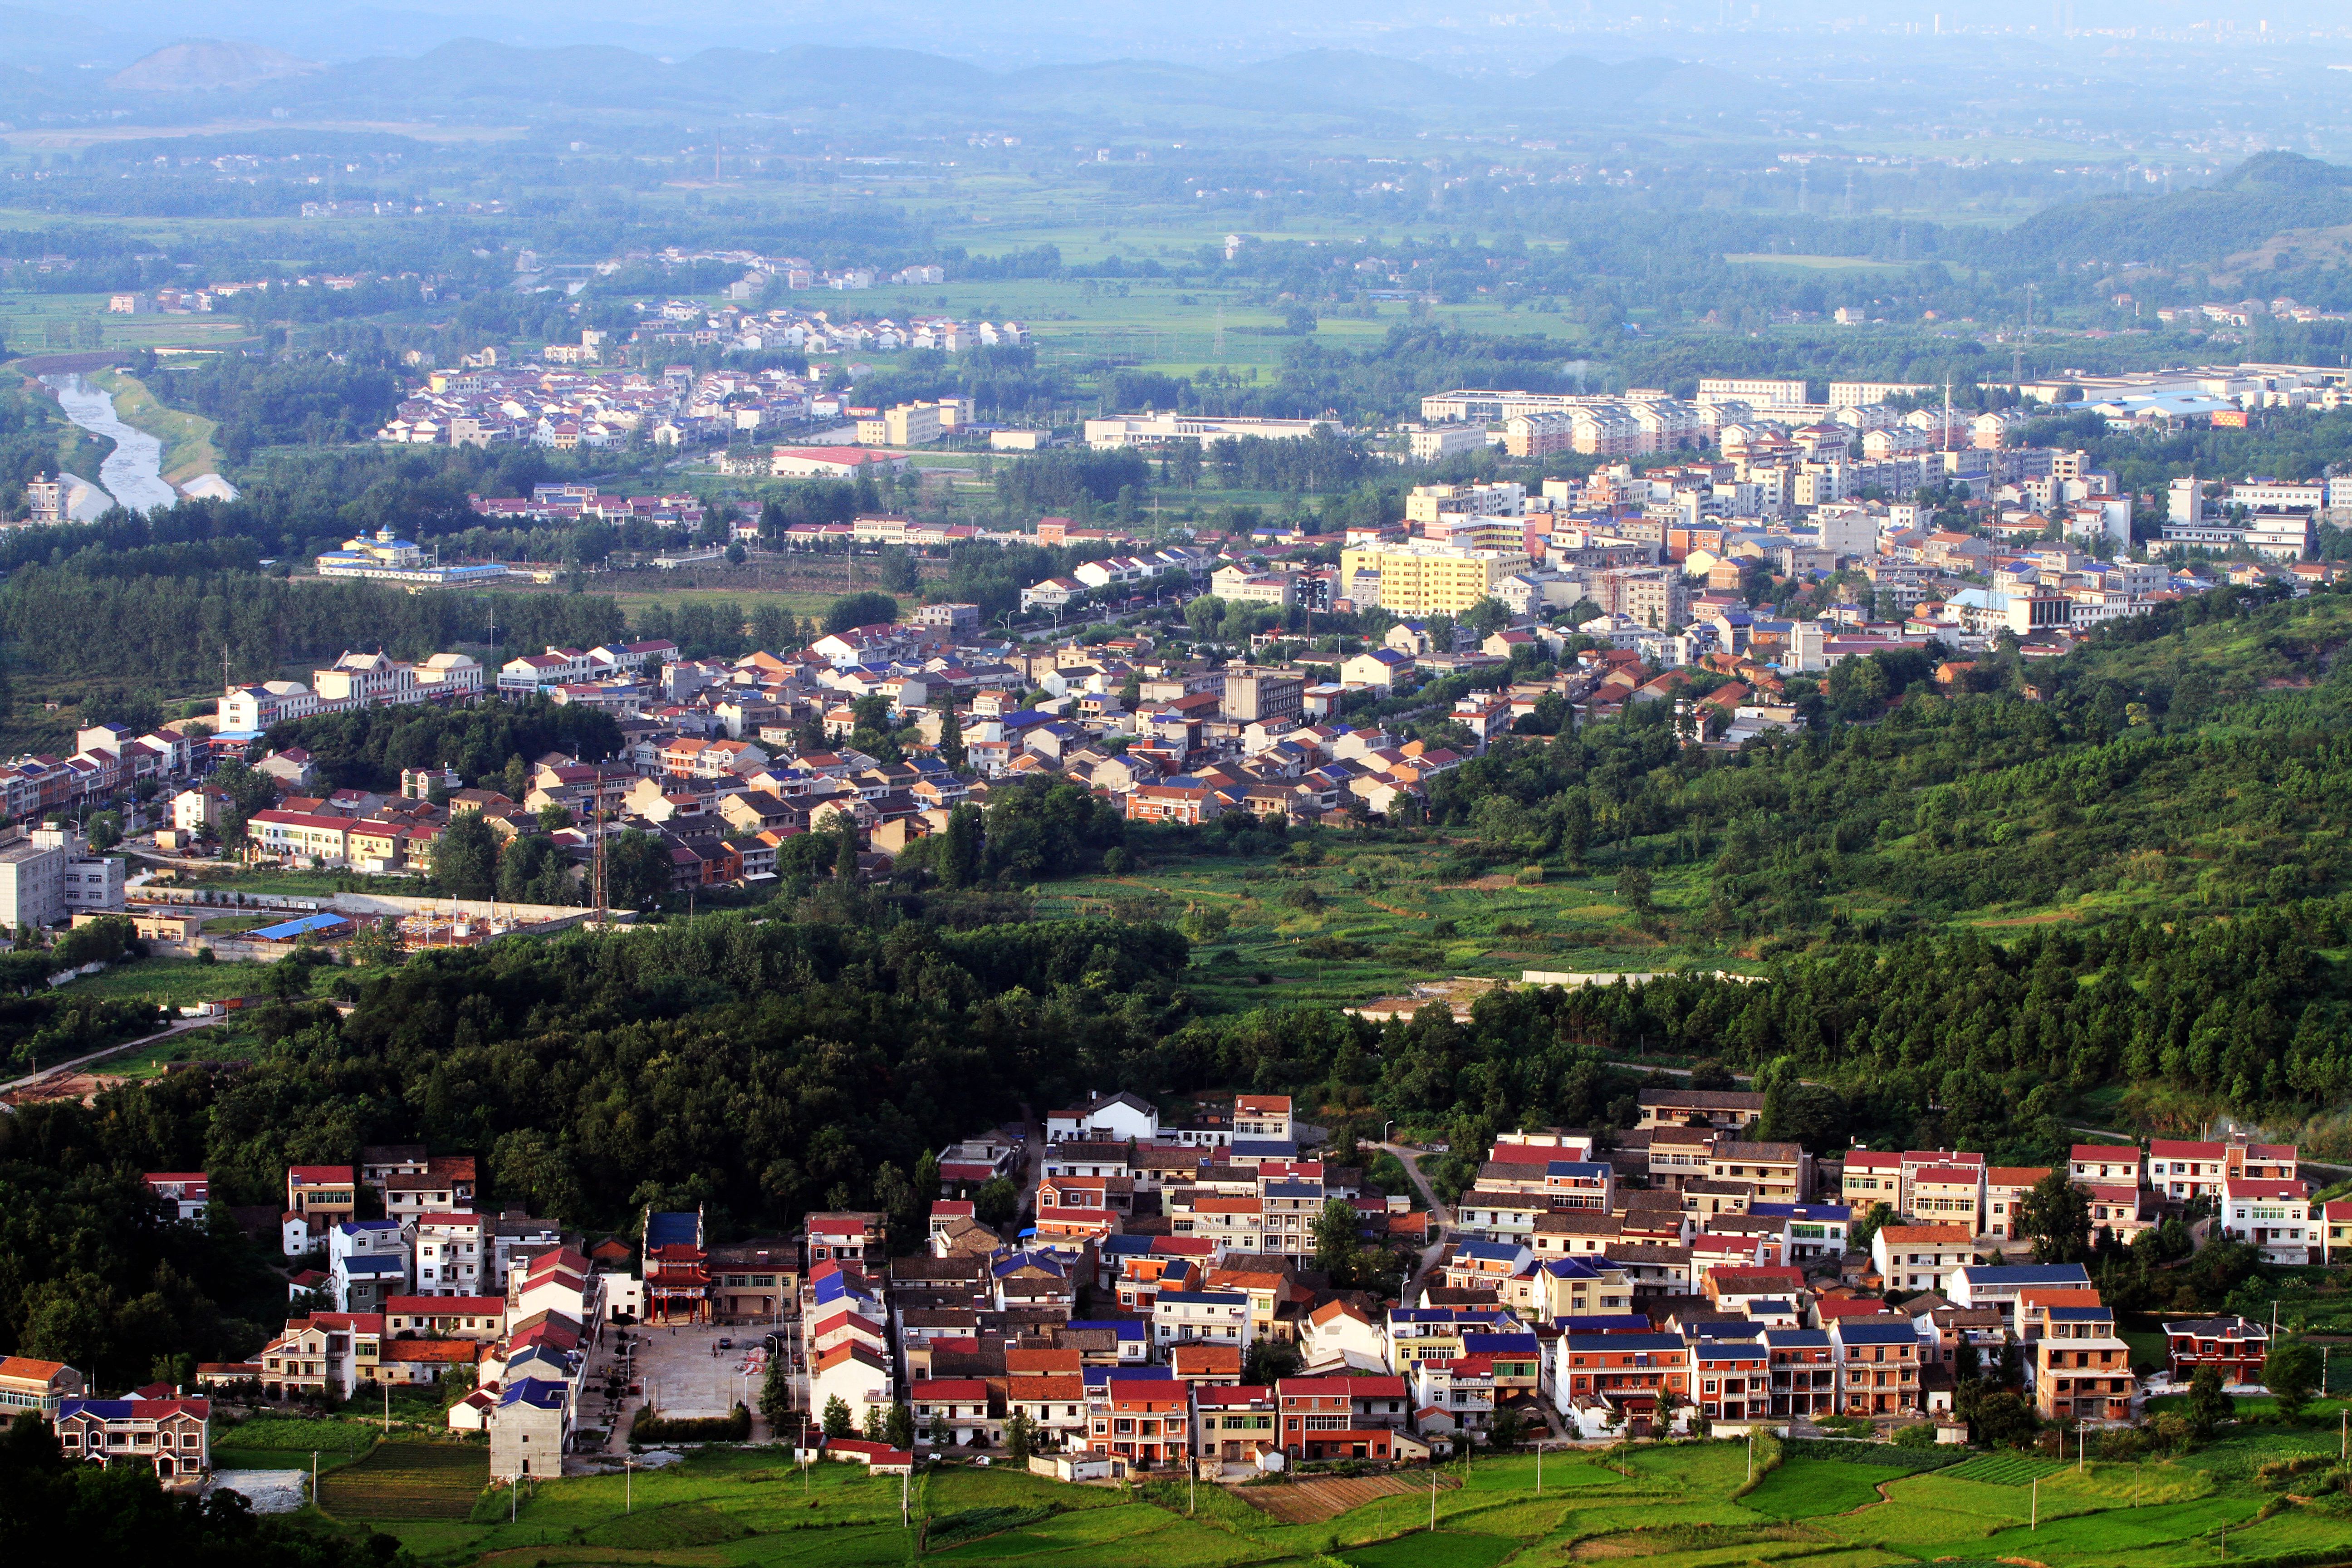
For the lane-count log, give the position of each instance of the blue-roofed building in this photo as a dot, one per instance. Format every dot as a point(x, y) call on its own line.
point(1804, 1371)
point(1814, 1230)
point(1997, 1285)
point(1253, 1151)
point(363, 1282)
point(1878, 1367)
point(1732, 1376)
point(1131, 1340)
point(528, 1427)
point(1604, 1323)
point(1476, 1264)
point(677, 1266)
point(1579, 1184)
point(1598, 1378)
point(171, 1436)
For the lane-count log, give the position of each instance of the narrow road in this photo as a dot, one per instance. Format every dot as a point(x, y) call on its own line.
point(1441, 1218)
point(182, 1027)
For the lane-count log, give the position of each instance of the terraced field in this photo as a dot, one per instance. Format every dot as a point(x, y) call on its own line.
point(398, 1481)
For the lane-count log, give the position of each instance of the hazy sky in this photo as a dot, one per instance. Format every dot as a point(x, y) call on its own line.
point(1019, 30)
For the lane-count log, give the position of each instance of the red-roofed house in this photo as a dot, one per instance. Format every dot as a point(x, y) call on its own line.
point(952, 1410)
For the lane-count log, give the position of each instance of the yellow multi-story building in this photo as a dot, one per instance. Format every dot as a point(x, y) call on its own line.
point(1427, 580)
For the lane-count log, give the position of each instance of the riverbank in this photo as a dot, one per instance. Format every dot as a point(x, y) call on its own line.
point(187, 438)
point(132, 473)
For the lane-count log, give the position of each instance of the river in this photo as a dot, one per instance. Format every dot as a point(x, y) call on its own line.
point(134, 472)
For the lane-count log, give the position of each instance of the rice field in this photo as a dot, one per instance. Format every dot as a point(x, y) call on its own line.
point(1674, 1509)
point(408, 1481)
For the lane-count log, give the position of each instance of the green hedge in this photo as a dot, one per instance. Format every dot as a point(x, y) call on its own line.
point(650, 1426)
point(1886, 1455)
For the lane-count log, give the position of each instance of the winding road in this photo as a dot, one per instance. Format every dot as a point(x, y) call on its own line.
point(1441, 1218)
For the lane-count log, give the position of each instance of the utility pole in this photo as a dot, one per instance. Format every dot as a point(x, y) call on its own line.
point(314, 1478)
point(628, 1483)
point(2034, 1523)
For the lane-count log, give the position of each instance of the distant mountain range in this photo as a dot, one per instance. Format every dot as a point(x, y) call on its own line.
point(479, 79)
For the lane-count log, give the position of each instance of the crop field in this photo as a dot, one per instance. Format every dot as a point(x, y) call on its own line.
point(1378, 917)
point(1671, 1505)
point(53, 324)
point(408, 1481)
point(172, 981)
point(2002, 1470)
point(1802, 1489)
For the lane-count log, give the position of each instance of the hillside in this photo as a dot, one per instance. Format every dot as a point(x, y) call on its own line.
point(207, 64)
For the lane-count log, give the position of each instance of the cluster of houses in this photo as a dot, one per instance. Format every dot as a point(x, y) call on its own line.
point(563, 405)
point(1678, 1272)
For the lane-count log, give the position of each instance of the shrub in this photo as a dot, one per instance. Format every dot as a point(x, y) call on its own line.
point(650, 1425)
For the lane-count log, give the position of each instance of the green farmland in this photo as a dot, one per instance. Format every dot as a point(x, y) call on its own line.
point(1687, 1506)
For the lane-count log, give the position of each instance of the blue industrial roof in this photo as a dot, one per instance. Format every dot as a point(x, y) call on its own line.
point(286, 930)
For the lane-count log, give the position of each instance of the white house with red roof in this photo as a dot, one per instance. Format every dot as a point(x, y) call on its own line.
point(186, 1191)
point(2274, 1217)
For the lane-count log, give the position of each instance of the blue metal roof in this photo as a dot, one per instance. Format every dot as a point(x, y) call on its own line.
point(362, 1264)
point(1831, 1213)
point(1745, 1329)
point(1603, 1323)
point(286, 930)
point(1266, 1148)
point(1575, 1168)
point(1855, 1333)
point(673, 1229)
point(1096, 1376)
point(1648, 1343)
point(1797, 1339)
point(1494, 1251)
point(107, 1409)
point(2029, 1273)
point(1125, 1328)
point(1496, 1345)
point(1206, 1298)
point(535, 1392)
